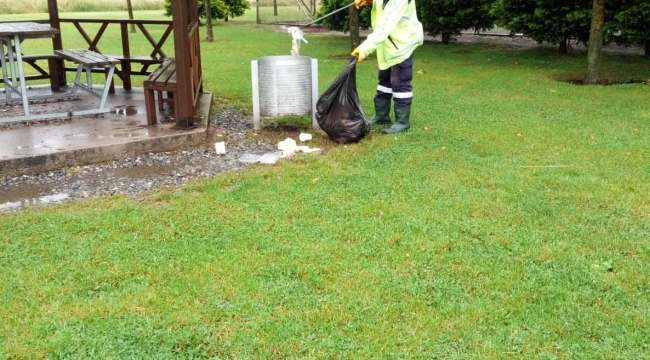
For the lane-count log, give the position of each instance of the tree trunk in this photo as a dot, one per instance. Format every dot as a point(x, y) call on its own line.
point(446, 38)
point(647, 49)
point(275, 8)
point(564, 48)
point(209, 37)
point(355, 39)
point(595, 52)
point(129, 8)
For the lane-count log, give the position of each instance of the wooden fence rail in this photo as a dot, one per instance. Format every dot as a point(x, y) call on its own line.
point(127, 58)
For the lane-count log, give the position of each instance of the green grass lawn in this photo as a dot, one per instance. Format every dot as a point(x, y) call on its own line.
point(454, 240)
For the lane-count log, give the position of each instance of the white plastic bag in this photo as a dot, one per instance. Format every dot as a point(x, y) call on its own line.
point(297, 36)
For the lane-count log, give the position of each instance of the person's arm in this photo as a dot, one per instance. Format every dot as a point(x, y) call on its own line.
point(384, 25)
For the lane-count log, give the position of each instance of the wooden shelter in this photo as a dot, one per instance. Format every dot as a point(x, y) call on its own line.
point(187, 53)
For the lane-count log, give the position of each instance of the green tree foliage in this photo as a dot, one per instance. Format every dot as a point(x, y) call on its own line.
point(449, 17)
point(341, 20)
point(631, 24)
point(220, 9)
point(438, 17)
point(552, 21)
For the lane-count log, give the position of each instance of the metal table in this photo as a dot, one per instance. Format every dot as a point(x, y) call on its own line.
point(11, 37)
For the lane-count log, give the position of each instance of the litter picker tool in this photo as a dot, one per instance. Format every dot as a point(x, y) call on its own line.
point(328, 15)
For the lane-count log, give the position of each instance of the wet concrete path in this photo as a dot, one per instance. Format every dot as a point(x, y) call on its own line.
point(133, 176)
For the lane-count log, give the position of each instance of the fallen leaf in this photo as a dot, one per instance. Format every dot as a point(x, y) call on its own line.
point(443, 148)
point(315, 180)
point(421, 72)
point(426, 128)
point(519, 135)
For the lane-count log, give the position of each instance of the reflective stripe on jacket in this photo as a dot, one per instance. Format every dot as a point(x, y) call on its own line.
point(397, 32)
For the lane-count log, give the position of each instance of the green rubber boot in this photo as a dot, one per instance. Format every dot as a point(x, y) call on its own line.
point(382, 112)
point(402, 117)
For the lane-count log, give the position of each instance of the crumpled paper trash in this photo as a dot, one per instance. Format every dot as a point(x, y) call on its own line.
point(289, 147)
point(220, 148)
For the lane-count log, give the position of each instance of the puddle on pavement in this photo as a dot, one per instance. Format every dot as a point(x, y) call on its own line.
point(144, 171)
point(13, 193)
point(18, 197)
point(126, 110)
point(130, 134)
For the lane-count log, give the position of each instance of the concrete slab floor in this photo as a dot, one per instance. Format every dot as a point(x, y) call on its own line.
point(112, 131)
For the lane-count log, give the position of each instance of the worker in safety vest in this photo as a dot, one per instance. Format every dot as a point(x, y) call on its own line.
point(396, 34)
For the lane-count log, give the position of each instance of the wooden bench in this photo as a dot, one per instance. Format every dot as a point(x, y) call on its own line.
point(31, 60)
point(126, 70)
point(87, 60)
point(162, 80)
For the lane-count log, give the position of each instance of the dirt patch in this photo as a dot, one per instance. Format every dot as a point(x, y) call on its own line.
point(603, 82)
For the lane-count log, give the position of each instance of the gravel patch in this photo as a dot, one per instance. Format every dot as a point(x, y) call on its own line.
point(133, 176)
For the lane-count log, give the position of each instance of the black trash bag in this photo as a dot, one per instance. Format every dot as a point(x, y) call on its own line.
point(339, 112)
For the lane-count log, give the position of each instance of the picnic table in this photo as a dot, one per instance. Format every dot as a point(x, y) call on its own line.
point(11, 59)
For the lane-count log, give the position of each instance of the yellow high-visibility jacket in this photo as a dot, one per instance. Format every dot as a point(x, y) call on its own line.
point(397, 32)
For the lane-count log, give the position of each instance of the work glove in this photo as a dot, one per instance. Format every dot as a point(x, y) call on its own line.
point(359, 54)
point(360, 3)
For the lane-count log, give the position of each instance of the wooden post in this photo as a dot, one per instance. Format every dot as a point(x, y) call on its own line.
point(185, 104)
point(56, 66)
point(126, 51)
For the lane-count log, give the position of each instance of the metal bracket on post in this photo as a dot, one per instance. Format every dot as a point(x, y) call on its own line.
point(314, 93)
point(257, 123)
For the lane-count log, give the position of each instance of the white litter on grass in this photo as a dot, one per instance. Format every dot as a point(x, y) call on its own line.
point(268, 158)
point(249, 158)
point(289, 147)
point(304, 137)
point(307, 149)
point(220, 148)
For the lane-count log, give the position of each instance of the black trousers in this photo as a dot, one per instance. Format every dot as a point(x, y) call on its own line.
point(395, 83)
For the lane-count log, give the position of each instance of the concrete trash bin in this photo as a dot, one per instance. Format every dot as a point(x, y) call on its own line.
point(284, 86)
